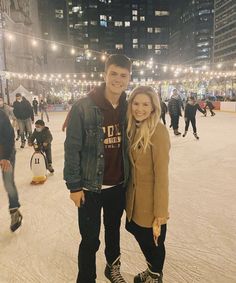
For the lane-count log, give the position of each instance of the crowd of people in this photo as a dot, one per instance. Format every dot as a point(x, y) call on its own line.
point(116, 160)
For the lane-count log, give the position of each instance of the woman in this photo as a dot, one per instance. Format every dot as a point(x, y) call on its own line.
point(147, 194)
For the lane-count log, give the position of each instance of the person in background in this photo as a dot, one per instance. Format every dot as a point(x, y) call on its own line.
point(163, 111)
point(190, 115)
point(210, 105)
point(174, 108)
point(96, 168)
point(147, 195)
point(43, 107)
point(7, 165)
point(24, 115)
point(43, 137)
point(35, 106)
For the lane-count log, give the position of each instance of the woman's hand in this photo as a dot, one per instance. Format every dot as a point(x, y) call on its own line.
point(156, 229)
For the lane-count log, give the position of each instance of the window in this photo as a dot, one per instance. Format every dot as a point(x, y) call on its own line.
point(150, 30)
point(93, 23)
point(118, 24)
point(85, 46)
point(59, 14)
point(161, 13)
point(142, 19)
point(76, 9)
point(134, 12)
point(135, 40)
point(127, 24)
point(85, 23)
point(103, 23)
point(157, 30)
point(134, 18)
point(103, 17)
point(149, 46)
point(135, 46)
point(119, 46)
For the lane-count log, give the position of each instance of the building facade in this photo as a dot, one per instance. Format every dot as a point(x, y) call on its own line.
point(225, 32)
point(191, 33)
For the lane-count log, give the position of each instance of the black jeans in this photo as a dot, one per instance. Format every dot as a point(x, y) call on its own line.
point(48, 151)
point(163, 117)
point(154, 255)
point(112, 201)
point(174, 121)
point(193, 122)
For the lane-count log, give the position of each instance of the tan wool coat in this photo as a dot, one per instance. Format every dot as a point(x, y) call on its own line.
point(147, 194)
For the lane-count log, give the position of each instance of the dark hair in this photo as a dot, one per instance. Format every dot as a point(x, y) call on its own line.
point(40, 123)
point(118, 60)
point(18, 94)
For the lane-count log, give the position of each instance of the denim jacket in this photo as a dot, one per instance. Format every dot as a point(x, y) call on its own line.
point(84, 147)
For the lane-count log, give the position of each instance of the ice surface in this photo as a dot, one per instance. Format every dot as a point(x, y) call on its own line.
point(201, 244)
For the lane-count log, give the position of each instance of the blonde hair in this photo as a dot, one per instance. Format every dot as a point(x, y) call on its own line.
point(148, 126)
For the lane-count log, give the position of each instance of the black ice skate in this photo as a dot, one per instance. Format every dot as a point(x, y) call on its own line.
point(50, 168)
point(16, 219)
point(154, 278)
point(185, 133)
point(177, 133)
point(196, 136)
point(141, 277)
point(112, 272)
point(22, 144)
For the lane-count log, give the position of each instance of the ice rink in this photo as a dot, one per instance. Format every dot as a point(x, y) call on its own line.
point(201, 238)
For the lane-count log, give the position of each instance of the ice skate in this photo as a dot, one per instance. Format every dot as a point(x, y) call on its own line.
point(141, 277)
point(22, 144)
point(16, 219)
point(185, 133)
point(177, 133)
point(154, 278)
point(50, 168)
point(112, 272)
point(196, 136)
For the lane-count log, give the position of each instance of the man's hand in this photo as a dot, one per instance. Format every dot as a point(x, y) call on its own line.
point(78, 198)
point(5, 165)
point(156, 229)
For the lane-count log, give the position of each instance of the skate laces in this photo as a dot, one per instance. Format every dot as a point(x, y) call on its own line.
point(115, 274)
point(143, 275)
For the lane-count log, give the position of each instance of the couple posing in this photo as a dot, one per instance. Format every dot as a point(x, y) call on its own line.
point(116, 157)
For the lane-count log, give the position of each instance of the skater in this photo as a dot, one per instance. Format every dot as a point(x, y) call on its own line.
point(190, 115)
point(210, 105)
point(35, 106)
point(43, 137)
point(24, 115)
point(97, 168)
point(163, 112)
point(43, 107)
point(7, 165)
point(174, 108)
point(147, 194)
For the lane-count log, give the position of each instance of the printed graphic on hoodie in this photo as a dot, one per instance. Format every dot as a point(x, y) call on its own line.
point(112, 136)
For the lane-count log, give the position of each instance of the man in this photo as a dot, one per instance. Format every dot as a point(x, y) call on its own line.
point(6, 108)
point(96, 168)
point(24, 115)
point(43, 108)
point(7, 164)
point(174, 108)
point(35, 106)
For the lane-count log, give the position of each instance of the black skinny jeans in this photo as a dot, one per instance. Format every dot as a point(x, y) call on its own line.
point(154, 255)
point(112, 201)
point(174, 121)
point(193, 122)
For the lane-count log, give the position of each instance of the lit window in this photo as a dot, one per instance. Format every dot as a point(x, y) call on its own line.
point(76, 9)
point(134, 12)
point(118, 24)
point(76, 26)
point(158, 52)
point(135, 46)
point(85, 23)
point(103, 17)
point(127, 24)
point(93, 23)
point(157, 46)
point(71, 26)
point(119, 46)
point(85, 46)
point(59, 14)
point(150, 30)
point(110, 18)
point(134, 18)
point(162, 13)
point(142, 19)
point(103, 23)
point(149, 46)
point(135, 40)
point(157, 30)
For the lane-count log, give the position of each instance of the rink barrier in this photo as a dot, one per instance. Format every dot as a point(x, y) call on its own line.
point(228, 106)
point(56, 108)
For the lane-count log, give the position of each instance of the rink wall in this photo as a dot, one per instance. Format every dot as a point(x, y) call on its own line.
point(228, 106)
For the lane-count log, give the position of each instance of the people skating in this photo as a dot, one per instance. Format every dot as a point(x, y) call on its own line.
point(7, 165)
point(43, 108)
point(190, 115)
point(35, 106)
point(97, 168)
point(163, 112)
point(24, 114)
point(147, 194)
point(210, 105)
point(43, 137)
point(174, 108)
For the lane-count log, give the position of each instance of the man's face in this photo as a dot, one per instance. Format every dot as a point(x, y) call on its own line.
point(116, 79)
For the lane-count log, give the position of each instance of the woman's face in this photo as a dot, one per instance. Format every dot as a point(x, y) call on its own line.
point(141, 107)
